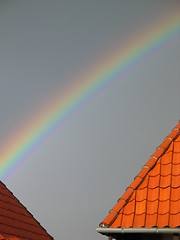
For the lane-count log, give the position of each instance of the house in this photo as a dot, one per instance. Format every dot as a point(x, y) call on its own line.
point(16, 223)
point(150, 207)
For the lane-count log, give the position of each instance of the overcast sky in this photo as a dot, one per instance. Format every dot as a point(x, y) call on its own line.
point(75, 176)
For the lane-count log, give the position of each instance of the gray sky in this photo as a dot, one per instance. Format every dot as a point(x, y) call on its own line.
point(74, 177)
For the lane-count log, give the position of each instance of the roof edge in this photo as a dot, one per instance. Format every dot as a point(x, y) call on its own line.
point(16, 199)
point(160, 150)
point(154, 230)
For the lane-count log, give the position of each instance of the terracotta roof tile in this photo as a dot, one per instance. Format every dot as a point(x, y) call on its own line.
point(153, 198)
point(16, 223)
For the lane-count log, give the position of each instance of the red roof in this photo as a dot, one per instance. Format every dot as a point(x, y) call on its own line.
point(153, 198)
point(16, 223)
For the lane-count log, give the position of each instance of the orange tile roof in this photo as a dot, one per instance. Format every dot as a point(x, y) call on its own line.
point(153, 198)
point(16, 223)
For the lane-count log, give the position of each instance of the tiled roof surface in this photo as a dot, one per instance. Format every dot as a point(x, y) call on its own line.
point(153, 198)
point(16, 223)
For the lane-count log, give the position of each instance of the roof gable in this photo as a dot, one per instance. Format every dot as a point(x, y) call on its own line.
point(153, 198)
point(16, 223)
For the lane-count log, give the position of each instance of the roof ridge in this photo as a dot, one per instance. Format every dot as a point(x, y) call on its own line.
point(122, 201)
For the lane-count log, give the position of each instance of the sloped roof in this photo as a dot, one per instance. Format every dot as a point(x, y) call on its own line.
point(153, 198)
point(16, 223)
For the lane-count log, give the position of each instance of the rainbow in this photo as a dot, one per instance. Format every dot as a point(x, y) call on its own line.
point(16, 150)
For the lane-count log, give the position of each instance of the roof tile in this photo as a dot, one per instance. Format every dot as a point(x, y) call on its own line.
point(139, 220)
point(127, 219)
point(141, 195)
point(150, 220)
point(175, 181)
point(152, 207)
point(162, 220)
point(164, 207)
point(174, 220)
point(174, 206)
point(164, 194)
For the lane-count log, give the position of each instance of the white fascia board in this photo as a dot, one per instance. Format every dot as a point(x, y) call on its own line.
point(138, 230)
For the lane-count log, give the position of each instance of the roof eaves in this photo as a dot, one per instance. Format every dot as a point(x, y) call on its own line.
point(155, 230)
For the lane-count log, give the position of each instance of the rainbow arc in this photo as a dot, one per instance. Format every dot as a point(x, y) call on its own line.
point(126, 57)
